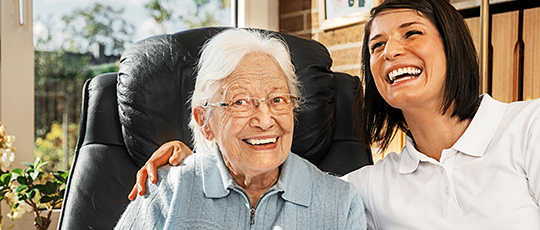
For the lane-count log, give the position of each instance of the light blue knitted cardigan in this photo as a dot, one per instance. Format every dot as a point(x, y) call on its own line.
point(201, 194)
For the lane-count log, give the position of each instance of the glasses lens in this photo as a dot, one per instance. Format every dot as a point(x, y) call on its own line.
point(282, 103)
point(246, 106)
point(241, 104)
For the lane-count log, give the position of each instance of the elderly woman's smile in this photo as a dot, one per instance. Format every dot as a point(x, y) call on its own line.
point(266, 141)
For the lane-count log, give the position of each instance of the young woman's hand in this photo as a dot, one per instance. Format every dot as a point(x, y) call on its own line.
point(172, 152)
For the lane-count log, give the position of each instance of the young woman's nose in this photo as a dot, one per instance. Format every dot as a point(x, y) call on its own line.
point(393, 48)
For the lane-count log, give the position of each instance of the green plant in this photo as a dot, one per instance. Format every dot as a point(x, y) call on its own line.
point(32, 190)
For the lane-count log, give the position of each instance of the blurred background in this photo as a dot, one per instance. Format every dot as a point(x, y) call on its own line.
point(77, 40)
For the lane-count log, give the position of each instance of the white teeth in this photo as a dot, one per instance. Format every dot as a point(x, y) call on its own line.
point(403, 78)
point(413, 72)
point(261, 141)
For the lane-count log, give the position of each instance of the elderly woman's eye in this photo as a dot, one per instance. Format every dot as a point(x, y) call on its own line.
point(240, 102)
point(277, 100)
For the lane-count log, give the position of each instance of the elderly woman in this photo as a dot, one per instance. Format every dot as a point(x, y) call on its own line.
point(244, 175)
point(470, 162)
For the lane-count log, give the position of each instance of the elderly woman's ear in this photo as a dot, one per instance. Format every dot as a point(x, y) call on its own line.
point(199, 114)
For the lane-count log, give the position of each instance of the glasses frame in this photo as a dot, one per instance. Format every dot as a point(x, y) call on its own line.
point(256, 102)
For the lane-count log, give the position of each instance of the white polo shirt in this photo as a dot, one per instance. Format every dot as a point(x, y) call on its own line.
point(489, 179)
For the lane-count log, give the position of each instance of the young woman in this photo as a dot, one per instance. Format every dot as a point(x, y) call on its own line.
point(469, 162)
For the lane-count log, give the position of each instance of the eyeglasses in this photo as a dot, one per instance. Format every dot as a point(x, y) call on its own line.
point(246, 106)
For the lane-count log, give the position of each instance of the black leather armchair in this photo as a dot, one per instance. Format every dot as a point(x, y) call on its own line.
point(127, 115)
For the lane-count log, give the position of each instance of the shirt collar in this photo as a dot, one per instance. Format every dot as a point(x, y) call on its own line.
point(473, 142)
point(410, 157)
point(482, 127)
point(294, 181)
point(214, 173)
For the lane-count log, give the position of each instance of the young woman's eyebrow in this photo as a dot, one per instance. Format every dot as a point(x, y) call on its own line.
point(404, 25)
point(374, 37)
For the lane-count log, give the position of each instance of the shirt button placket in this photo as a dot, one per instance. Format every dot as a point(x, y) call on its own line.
point(446, 190)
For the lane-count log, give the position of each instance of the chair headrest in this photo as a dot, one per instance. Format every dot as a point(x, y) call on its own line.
point(157, 75)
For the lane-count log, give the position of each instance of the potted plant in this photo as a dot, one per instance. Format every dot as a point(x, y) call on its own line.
point(31, 189)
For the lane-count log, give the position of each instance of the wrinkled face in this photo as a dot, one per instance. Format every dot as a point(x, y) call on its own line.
point(408, 60)
point(259, 142)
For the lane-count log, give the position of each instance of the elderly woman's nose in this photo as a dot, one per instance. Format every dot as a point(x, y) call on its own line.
point(393, 48)
point(263, 117)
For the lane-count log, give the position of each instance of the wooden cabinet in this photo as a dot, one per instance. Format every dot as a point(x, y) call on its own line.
point(514, 58)
point(505, 45)
point(531, 38)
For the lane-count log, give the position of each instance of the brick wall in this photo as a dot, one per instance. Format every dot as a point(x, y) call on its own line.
point(301, 18)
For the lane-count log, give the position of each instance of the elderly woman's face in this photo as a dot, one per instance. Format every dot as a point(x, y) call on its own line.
point(408, 60)
point(261, 141)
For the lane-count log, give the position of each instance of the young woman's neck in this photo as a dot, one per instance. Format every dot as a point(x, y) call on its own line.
point(433, 132)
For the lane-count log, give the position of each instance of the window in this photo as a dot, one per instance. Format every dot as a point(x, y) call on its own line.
point(75, 41)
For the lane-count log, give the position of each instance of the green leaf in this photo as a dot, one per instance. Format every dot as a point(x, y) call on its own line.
point(38, 220)
point(46, 199)
point(14, 178)
point(31, 194)
point(48, 188)
point(42, 164)
point(35, 174)
point(20, 188)
point(17, 171)
point(27, 164)
point(61, 176)
point(6, 178)
point(22, 180)
point(37, 161)
point(29, 170)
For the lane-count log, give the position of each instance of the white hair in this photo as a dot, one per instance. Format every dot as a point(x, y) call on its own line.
point(219, 58)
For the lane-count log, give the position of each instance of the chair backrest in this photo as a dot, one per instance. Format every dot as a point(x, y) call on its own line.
point(127, 115)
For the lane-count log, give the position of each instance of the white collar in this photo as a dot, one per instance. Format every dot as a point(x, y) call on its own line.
point(474, 140)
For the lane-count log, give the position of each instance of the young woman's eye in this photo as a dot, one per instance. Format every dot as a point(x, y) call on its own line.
point(376, 46)
point(412, 32)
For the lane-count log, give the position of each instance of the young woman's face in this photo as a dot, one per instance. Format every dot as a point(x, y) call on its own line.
point(408, 60)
